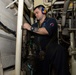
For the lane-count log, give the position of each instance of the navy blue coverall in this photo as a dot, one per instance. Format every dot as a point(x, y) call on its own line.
point(55, 55)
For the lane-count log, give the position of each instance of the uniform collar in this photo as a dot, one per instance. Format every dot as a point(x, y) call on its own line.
point(46, 18)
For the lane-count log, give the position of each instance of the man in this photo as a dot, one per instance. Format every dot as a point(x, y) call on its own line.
point(45, 32)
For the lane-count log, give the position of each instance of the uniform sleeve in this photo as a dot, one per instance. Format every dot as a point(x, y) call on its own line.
point(51, 26)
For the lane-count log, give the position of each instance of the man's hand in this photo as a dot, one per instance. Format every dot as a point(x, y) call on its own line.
point(26, 26)
point(41, 31)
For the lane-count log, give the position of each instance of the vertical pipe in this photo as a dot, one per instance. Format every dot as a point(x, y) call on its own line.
point(72, 40)
point(19, 38)
point(71, 35)
point(66, 5)
point(72, 44)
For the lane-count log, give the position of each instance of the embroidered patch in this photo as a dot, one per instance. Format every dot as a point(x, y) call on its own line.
point(52, 24)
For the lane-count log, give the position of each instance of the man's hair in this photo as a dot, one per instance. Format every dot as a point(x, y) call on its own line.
point(42, 8)
point(39, 7)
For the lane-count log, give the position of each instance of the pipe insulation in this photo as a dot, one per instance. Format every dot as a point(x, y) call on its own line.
point(19, 38)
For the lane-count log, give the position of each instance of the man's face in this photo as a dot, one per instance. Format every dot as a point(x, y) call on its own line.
point(38, 14)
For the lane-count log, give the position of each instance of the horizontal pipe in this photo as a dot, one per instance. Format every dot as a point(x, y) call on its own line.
point(48, 3)
point(59, 2)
